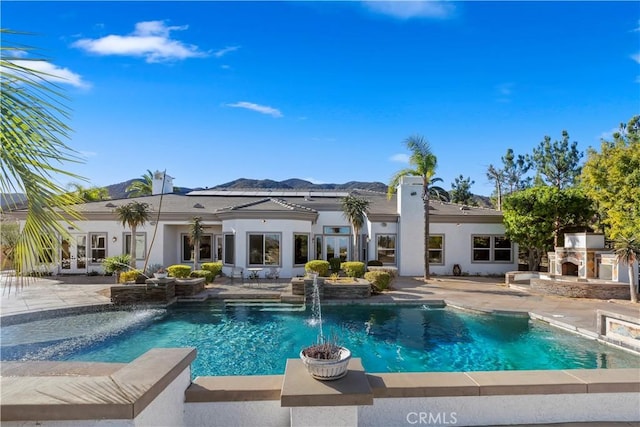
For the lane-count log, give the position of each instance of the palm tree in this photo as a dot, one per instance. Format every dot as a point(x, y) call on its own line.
point(354, 208)
point(90, 194)
point(196, 231)
point(133, 214)
point(437, 192)
point(142, 186)
point(424, 164)
point(627, 252)
point(32, 133)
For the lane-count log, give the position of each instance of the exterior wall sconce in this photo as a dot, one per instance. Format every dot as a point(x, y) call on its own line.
point(114, 239)
point(413, 193)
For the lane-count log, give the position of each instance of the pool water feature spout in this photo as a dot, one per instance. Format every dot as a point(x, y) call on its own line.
point(316, 309)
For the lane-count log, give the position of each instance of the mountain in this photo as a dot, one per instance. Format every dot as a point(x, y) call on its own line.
point(301, 184)
point(10, 201)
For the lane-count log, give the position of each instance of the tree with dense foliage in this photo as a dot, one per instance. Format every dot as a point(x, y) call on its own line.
point(423, 164)
point(611, 178)
point(627, 252)
point(515, 171)
point(142, 186)
point(354, 209)
point(89, 194)
point(134, 214)
point(557, 163)
point(196, 232)
point(461, 190)
point(32, 133)
point(534, 217)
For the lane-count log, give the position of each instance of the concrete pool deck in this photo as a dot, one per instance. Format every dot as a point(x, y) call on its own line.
point(488, 294)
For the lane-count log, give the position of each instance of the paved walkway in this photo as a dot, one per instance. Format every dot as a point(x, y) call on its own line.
point(479, 293)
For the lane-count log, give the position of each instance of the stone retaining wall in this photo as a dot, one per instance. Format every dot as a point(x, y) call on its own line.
point(359, 290)
point(147, 293)
point(575, 289)
point(189, 287)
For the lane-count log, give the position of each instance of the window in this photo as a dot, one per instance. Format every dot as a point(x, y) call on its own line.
point(436, 249)
point(205, 248)
point(218, 246)
point(386, 248)
point(141, 244)
point(98, 247)
point(318, 247)
point(264, 249)
point(229, 249)
point(491, 249)
point(46, 256)
point(337, 230)
point(300, 248)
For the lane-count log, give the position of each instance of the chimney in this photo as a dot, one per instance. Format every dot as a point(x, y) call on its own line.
point(162, 183)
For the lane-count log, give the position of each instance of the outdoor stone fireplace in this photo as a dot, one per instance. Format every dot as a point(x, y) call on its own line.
point(584, 256)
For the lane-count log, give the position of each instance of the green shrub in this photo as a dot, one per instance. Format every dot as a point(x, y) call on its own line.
point(374, 263)
point(317, 266)
point(353, 268)
point(213, 267)
point(130, 276)
point(392, 271)
point(179, 271)
point(334, 264)
point(208, 275)
point(116, 264)
point(379, 279)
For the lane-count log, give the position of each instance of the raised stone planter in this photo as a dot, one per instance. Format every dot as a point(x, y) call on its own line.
point(580, 289)
point(157, 291)
point(359, 289)
point(189, 287)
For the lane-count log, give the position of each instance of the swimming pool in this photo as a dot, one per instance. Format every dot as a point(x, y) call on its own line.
point(247, 339)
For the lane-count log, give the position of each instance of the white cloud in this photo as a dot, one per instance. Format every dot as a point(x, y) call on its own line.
point(87, 154)
point(412, 9)
point(504, 91)
point(637, 29)
point(150, 40)
point(222, 52)
point(263, 109)
point(400, 158)
point(53, 73)
point(636, 57)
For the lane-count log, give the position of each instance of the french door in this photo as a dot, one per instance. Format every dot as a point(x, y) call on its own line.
point(73, 258)
point(336, 247)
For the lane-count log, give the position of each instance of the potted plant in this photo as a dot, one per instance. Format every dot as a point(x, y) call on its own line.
point(161, 273)
point(326, 360)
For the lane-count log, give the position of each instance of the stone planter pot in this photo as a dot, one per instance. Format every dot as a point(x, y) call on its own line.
point(327, 369)
point(160, 275)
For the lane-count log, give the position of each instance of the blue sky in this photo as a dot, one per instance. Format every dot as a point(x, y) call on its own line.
point(328, 91)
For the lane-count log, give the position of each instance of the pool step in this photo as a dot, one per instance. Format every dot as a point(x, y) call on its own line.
point(265, 305)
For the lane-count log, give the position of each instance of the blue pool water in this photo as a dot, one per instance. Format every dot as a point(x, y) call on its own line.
point(256, 340)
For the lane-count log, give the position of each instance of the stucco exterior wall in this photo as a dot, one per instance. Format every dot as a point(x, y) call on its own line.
point(493, 410)
point(458, 249)
point(410, 244)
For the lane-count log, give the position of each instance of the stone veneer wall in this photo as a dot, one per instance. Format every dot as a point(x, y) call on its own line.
point(189, 287)
point(148, 293)
point(304, 286)
point(577, 289)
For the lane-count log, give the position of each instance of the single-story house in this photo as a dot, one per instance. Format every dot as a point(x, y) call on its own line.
point(286, 228)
